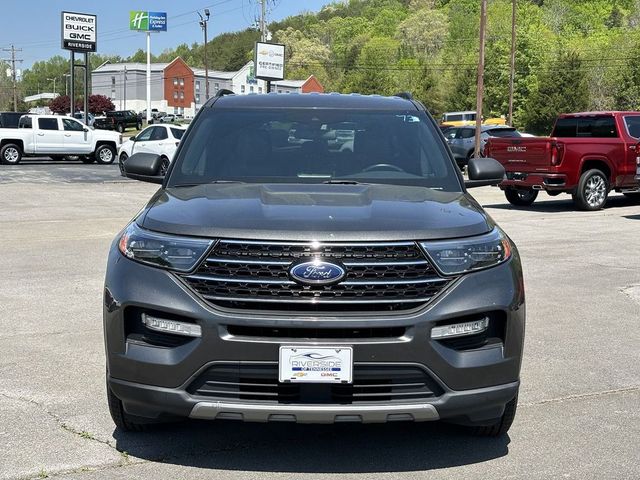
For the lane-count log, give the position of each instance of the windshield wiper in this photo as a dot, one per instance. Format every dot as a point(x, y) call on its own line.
point(337, 181)
point(206, 183)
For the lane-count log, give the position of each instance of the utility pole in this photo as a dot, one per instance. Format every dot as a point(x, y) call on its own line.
point(203, 23)
point(513, 62)
point(13, 51)
point(125, 88)
point(263, 21)
point(480, 88)
point(263, 34)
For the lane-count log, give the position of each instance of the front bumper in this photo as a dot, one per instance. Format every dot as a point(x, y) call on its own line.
point(153, 381)
point(477, 406)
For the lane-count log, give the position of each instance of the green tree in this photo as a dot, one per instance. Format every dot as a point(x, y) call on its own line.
point(306, 56)
point(424, 33)
point(561, 88)
point(627, 96)
point(372, 73)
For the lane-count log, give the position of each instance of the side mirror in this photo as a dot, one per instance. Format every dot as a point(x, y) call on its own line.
point(144, 167)
point(484, 171)
point(132, 138)
point(85, 129)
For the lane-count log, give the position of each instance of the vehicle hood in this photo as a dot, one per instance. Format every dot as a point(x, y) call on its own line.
point(314, 212)
point(106, 135)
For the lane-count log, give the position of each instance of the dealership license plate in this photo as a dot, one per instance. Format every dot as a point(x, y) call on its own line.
point(316, 364)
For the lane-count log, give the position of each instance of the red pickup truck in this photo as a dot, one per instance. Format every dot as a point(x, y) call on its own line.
point(587, 155)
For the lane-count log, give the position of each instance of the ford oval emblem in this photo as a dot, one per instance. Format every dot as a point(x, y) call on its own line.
point(317, 272)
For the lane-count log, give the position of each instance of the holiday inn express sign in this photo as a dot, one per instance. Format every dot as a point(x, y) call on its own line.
point(147, 21)
point(79, 32)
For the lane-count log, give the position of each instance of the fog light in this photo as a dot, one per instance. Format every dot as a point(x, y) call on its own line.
point(460, 329)
point(172, 326)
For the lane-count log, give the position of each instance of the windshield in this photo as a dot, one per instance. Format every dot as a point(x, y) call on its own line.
point(314, 146)
point(504, 132)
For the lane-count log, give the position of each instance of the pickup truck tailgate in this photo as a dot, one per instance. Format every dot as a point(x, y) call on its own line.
point(521, 154)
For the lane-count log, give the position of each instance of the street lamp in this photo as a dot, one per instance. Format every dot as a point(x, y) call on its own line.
point(203, 23)
point(54, 83)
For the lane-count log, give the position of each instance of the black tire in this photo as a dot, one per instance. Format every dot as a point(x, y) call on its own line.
point(521, 198)
point(105, 154)
point(120, 128)
point(164, 166)
point(502, 426)
point(122, 419)
point(123, 158)
point(591, 193)
point(10, 154)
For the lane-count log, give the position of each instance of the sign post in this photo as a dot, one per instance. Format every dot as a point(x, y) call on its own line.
point(79, 34)
point(148, 22)
point(269, 62)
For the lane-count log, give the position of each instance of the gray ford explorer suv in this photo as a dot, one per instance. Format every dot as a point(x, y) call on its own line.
point(287, 272)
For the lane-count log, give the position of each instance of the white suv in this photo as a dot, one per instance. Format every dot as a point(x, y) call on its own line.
point(159, 139)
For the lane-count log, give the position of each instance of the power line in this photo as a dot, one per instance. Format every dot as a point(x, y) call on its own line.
point(118, 31)
point(13, 51)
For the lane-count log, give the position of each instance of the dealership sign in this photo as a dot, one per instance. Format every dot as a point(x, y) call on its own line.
point(147, 21)
point(269, 61)
point(79, 32)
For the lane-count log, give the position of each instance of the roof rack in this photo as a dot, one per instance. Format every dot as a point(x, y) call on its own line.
point(222, 92)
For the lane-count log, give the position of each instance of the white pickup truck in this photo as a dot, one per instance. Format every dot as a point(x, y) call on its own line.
point(57, 136)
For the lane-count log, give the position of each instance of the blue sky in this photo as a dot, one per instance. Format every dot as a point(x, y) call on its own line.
point(34, 25)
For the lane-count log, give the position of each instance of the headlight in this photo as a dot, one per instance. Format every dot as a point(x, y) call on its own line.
point(161, 250)
point(468, 254)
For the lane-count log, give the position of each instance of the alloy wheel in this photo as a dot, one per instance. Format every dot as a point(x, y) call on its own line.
point(595, 191)
point(11, 155)
point(106, 155)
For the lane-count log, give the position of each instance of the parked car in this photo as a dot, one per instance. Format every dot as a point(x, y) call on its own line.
point(587, 155)
point(118, 120)
point(168, 118)
point(57, 137)
point(10, 119)
point(80, 116)
point(459, 119)
point(289, 282)
point(462, 139)
point(161, 140)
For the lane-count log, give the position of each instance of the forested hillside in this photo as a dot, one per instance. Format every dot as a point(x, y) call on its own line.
point(571, 54)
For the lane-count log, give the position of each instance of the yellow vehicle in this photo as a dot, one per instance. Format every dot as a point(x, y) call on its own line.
point(461, 119)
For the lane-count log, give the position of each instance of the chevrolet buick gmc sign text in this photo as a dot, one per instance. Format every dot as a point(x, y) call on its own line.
point(79, 32)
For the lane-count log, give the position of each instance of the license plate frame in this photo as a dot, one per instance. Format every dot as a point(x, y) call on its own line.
point(317, 364)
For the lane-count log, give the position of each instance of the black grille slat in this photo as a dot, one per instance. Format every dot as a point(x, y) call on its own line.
point(316, 333)
point(255, 275)
point(371, 384)
point(328, 251)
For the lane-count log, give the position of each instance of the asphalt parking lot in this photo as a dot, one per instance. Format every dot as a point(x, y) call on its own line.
point(579, 402)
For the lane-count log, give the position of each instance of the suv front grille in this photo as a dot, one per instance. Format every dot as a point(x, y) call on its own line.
point(371, 384)
point(255, 275)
